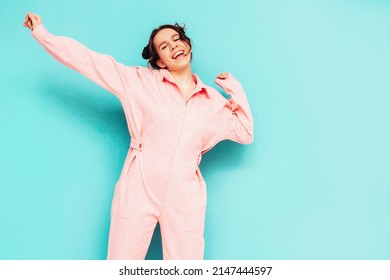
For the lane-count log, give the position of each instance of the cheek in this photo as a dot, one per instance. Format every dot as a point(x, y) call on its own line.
point(163, 56)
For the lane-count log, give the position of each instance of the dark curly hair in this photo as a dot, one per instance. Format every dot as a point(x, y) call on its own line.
point(150, 52)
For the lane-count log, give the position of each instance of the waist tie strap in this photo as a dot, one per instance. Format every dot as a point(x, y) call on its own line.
point(136, 144)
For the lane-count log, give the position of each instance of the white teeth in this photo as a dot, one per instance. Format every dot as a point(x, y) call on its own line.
point(177, 54)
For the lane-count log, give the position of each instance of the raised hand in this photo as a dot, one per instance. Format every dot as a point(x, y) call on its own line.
point(223, 76)
point(32, 21)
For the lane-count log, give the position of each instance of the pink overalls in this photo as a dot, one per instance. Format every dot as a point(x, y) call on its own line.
point(160, 180)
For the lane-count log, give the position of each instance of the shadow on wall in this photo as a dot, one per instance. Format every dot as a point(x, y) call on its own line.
point(98, 111)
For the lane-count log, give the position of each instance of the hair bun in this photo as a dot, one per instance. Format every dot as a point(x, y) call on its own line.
point(146, 53)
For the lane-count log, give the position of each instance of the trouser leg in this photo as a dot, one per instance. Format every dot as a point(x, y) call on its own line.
point(129, 238)
point(134, 213)
point(182, 221)
point(182, 245)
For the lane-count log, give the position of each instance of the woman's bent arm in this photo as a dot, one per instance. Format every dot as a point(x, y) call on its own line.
point(236, 121)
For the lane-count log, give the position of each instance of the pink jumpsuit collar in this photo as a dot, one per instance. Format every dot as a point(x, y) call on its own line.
point(167, 76)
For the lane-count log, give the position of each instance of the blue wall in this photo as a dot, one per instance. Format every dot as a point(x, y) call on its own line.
point(315, 184)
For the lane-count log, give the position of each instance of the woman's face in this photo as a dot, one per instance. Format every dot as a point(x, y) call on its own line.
point(174, 53)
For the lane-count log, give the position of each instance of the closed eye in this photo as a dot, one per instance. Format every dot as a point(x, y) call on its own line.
point(174, 38)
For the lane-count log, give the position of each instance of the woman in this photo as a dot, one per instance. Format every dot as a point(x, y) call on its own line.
point(173, 118)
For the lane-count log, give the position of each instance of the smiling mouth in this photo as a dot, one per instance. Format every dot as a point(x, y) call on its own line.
point(178, 55)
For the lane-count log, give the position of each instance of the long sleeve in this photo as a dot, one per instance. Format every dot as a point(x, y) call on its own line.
point(231, 119)
point(101, 69)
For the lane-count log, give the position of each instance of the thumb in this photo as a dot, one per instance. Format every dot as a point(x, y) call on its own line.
point(32, 17)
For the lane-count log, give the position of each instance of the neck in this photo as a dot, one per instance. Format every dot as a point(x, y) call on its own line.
point(183, 76)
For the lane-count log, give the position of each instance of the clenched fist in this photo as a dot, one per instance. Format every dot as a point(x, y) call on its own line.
point(32, 21)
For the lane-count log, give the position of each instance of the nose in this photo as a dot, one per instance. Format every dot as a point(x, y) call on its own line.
point(173, 45)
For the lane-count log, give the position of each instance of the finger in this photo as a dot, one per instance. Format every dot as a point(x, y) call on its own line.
point(36, 20)
point(25, 20)
point(35, 16)
point(32, 17)
point(29, 19)
point(29, 24)
point(222, 75)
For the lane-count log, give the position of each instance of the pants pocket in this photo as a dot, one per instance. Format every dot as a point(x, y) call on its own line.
point(126, 185)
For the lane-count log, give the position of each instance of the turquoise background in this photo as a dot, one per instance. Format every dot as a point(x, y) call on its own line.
point(315, 184)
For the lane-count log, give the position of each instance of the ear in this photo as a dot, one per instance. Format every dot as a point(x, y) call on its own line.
point(160, 64)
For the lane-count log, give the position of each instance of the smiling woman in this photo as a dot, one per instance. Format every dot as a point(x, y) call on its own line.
point(178, 36)
point(170, 48)
point(173, 118)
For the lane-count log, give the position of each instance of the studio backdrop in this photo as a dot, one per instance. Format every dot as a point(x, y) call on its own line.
point(315, 183)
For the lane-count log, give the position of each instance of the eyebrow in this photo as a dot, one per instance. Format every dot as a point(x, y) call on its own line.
point(163, 42)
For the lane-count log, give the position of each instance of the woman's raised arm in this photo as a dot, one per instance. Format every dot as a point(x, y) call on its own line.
point(101, 69)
